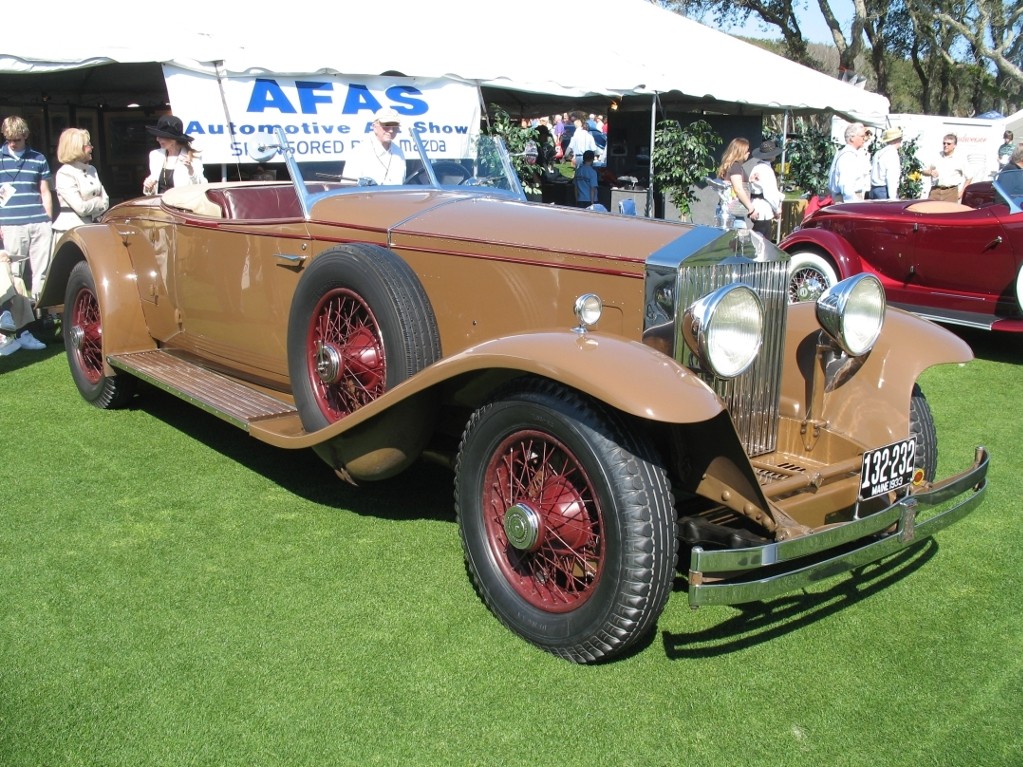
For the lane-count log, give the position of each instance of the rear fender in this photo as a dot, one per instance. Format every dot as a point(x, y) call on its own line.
point(829, 244)
point(124, 325)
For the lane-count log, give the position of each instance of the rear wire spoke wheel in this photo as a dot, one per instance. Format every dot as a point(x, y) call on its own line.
point(567, 522)
point(809, 276)
point(82, 328)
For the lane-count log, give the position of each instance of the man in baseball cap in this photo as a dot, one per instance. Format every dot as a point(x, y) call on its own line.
point(378, 159)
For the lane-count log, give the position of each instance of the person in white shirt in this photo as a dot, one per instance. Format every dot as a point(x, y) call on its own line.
point(850, 170)
point(886, 167)
point(949, 172)
point(176, 162)
point(582, 141)
point(378, 158)
point(763, 184)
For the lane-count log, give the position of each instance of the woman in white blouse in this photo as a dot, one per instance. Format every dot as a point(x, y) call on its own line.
point(175, 163)
point(82, 197)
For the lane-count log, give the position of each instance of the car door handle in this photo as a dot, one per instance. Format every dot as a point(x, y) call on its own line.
point(994, 243)
point(289, 261)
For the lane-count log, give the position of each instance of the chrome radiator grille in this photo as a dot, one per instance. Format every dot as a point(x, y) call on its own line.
point(677, 276)
point(752, 398)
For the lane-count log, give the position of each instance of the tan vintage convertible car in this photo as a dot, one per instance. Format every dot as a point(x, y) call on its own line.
point(612, 392)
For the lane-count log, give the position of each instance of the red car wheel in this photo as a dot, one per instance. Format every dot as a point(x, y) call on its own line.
point(567, 521)
point(809, 276)
point(83, 341)
point(345, 351)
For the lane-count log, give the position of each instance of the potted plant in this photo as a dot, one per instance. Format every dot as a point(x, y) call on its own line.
point(683, 160)
point(522, 146)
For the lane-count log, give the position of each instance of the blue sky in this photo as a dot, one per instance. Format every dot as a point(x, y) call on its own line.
point(811, 21)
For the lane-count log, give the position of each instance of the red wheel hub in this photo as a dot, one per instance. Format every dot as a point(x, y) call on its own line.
point(347, 364)
point(86, 334)
point(543, 521)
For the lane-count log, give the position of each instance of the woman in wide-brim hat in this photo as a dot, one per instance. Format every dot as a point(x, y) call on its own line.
point(176, 162)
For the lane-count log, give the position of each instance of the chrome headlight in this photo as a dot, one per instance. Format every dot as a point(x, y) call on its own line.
point(725, 329)
point(852, 313)
point(588, 308)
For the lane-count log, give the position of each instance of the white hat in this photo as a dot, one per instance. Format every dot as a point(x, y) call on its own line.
point(387, 117)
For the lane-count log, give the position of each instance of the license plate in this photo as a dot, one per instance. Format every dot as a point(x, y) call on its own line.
point(887, 468)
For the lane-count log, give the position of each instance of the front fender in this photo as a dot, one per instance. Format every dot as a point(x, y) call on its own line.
point(627, 375)
point(124, 325)
point(825, 242)
point(623, 374)
point(870, 406)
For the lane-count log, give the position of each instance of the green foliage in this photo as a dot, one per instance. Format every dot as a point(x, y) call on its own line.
point(910, 184)
point(517, 139)
point(809, 158)
point(942, 57)
point(682, 159)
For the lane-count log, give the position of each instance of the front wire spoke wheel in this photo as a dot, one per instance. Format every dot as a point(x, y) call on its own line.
point(567, 520)
point(538, 479)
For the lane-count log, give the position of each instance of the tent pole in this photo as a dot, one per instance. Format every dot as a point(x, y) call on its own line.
point(650, 186)
point(784, 147)
point(227, 118)
point(483, 104)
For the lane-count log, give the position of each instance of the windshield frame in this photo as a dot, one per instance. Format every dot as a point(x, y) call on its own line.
point(1008, 184)
point(508, 185)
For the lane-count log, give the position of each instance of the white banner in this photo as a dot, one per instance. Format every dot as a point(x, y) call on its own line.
point(324, 116)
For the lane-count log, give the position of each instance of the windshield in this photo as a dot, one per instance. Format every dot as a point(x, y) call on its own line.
point(1009, 185)
point(480, 164)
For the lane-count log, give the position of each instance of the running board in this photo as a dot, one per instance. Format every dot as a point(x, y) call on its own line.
point(217, 394)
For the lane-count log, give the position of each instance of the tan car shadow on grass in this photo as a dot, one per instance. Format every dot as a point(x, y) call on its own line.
point(423, 491)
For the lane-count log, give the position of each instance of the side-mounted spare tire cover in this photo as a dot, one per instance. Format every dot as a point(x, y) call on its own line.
point(360, 324)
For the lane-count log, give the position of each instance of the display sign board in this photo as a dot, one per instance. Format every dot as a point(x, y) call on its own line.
point(324, 116)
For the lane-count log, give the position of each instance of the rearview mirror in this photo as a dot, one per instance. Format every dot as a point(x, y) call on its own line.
point(264, 148)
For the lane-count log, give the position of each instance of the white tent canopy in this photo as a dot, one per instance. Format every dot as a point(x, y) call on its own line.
point(656, 51)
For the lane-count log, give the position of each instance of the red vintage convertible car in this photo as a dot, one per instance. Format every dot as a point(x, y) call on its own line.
point(952, 263)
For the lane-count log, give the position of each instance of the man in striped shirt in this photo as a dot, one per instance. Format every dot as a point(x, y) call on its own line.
point(26, 204)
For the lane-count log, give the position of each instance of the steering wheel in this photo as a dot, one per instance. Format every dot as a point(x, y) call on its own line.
point(444, 169)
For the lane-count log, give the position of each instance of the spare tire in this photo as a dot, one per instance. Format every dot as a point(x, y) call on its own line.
point(360, 324)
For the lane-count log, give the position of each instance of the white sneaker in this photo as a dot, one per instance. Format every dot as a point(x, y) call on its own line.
point(7, 322)
point(8, 345)
point(29, 341)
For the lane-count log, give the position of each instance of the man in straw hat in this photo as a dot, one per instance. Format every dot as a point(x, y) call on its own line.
point(886, 167)
point(379, 158)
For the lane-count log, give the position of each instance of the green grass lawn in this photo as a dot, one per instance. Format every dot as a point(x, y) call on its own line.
point(173, 592)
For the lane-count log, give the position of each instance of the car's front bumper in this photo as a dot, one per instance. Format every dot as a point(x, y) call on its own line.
point(734, 576)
